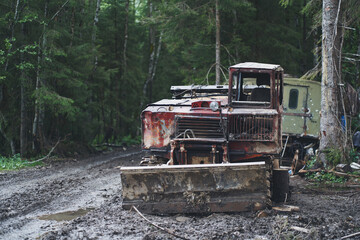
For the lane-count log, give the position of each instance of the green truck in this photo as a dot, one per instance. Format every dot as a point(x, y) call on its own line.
point(301, 116)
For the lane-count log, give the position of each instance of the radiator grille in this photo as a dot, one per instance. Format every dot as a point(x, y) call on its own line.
point(198, 127)
point(249, 127)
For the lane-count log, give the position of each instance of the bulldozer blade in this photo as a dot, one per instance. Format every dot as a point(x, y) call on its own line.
point(197, 188)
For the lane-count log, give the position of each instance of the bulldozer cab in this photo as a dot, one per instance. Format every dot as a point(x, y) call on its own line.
point(266, 90)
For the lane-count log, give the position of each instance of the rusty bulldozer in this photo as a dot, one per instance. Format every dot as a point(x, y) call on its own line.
point(212, 148)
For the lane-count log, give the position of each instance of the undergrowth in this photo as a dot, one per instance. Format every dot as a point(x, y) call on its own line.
point(325, 177)
point(15, 162)
point(334, 157)
point(322, 176)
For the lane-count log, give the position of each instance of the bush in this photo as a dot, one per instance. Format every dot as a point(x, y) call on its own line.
point(354, 156)
point(334, 156)
point(325, 177)
point(15, 162)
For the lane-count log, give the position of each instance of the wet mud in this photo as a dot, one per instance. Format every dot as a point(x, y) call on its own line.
point(81, 199)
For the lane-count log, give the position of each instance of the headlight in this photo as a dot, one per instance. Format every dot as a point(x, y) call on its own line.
point(214, 106)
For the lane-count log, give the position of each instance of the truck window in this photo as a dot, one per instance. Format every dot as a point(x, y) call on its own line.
point(293, 98)
point(251, 88)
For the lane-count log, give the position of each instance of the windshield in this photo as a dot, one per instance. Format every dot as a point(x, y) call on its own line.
point(251, 88)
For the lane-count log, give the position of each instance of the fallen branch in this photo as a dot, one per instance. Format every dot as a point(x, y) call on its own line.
point(339, 174)
point(286, 208)
point(48, 155)
point(353, 194)
point(311, 170)
point(300, 229)
point(51, 150)
point(157, 226)
point(351, 235)
point(108, 145)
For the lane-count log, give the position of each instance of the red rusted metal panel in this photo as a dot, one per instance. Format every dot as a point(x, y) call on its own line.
point(157, 129)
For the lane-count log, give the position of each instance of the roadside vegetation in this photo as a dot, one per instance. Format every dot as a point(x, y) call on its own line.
point(330, 174)
point(15, 162)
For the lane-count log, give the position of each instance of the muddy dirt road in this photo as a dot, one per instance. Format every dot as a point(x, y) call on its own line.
point(81, 199)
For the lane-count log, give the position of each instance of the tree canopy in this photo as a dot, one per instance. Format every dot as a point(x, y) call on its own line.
point(85, 68)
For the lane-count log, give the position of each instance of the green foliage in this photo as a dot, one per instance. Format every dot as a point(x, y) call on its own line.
point(285, 3)
point(325, 177)
point(9, 43)
point(355, 124)
point(56, 103)
point(29, 49)
point(28, 18)
point(354, 156)
point(130, 140)
point(15, 162)
point(334, 156)
point(311, 163)
point(25, 66)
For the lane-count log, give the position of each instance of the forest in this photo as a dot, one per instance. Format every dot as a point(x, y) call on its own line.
point(81, 71)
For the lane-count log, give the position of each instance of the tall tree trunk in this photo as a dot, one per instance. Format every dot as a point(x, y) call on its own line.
point(152, 54)
point(235, 22)
point(118, 78)
point(23, 140)
point(330, 127)
point(2, 131)
point(72, 26)
point(37, 128)
point(357, 76)
point(157, 55)
point(303, 42)
point(94, 33)
point(126, 25)
point(12, 28)
point(217, 47)
point(82, 15)
point(153, 59)
point(94, 52)
point(122, 91)
point(158, 50)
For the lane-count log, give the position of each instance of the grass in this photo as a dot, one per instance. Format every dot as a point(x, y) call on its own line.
point(15, 162)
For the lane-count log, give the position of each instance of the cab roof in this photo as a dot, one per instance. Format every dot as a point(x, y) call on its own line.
point(255, 65)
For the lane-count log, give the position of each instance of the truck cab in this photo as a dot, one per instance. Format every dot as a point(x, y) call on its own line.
point(254, 111)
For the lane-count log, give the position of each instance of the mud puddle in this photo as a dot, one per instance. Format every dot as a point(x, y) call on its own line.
point(66, 216)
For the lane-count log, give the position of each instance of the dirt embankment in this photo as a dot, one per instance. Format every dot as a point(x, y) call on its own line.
point(88, 191)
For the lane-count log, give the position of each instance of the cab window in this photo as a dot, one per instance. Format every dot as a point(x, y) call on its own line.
point(293, 98)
